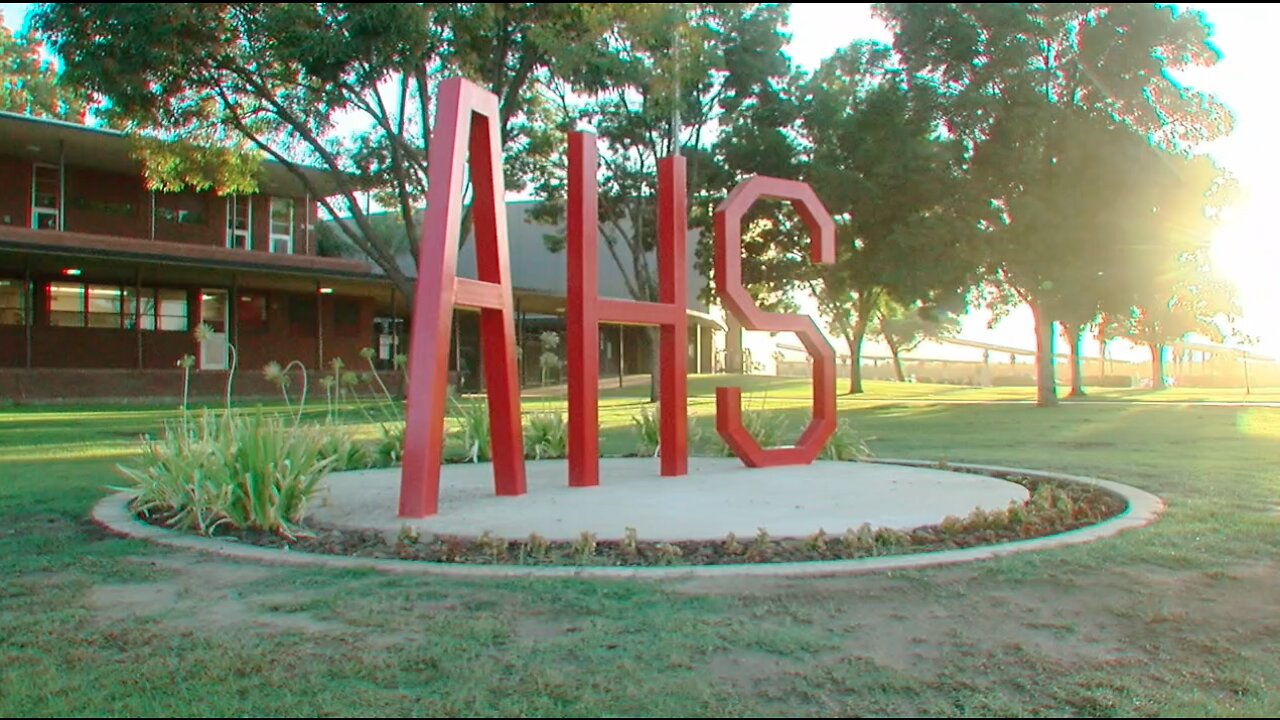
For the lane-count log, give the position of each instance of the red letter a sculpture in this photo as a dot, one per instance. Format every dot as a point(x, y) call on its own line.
point(466, 117)
point(728, 264)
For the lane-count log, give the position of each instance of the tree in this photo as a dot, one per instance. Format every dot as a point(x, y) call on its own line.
point(1174, 288)
point(675, 74)
point(31, 85)
point(903, 329)
point(343, 87)
point(1017, 80)
point(894, 187)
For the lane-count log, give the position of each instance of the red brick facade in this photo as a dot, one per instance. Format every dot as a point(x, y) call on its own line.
point(119, 241)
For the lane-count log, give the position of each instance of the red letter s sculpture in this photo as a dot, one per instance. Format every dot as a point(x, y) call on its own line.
point(734, 297)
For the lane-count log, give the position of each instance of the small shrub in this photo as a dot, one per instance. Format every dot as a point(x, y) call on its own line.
point(241, 471)
point(546, 436)
point(472, 419)
point(337, 443)
point(845, 444)
point(584, 548)
point(389, 448)
point(646, 426)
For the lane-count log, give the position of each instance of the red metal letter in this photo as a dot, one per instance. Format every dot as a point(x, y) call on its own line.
point(586, 311)
point(734, 297)
point(466, 116)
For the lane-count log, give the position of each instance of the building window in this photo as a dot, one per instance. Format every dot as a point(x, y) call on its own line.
point(46, 197)
point(105, 306)
point(181, 208)
point(66, 305)
point(157, 308)
point(251, 313)
point(13, 302)
point(346, 317)
point(171, 310)
point(239, 222)
point(112, 306)
point(105, 207)
point(282, 225)
point(302, 315)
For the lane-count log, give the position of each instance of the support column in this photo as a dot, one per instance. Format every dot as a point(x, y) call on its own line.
point(395, 334)
point(137, 314)
point(320, 329)
point(622, 354)
point(28, 307)
point(233, 311)
point(697, 348)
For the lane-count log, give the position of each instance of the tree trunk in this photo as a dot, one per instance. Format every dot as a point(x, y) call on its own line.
point(1157, 366)
point(1046, 384)
point(1077, 371)
point(1102, 354)
point(854, 341)
point(732, 345)
point(893, 349)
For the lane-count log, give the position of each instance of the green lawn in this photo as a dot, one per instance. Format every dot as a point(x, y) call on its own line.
point(1179, 618)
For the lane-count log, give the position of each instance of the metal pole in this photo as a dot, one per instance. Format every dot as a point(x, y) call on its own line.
point(62, 185)
point(622, 357)
point(306, 231)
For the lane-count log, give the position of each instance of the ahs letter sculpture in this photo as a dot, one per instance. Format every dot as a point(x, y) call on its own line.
point(467, 125)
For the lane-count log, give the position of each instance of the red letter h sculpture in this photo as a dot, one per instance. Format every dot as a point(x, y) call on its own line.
point(466, 116)
point(586, 311)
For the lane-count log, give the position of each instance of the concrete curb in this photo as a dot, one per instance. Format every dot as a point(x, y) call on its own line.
point(112, 513)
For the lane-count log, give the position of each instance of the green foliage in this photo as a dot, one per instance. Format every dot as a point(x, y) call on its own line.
point(769, 428)
point(845, 444)
point(646, 428)
point(235, 470)
point(346, 88)
point(1072, 118)
point(895, 187)
point(30, 84)
point(669, 75)
point(389, 449)
point(471, 420)
point(546, 436)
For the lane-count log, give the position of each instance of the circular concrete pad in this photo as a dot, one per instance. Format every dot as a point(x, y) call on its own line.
point(719, 496)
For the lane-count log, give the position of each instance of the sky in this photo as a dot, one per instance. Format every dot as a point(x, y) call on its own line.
point(1248, 249)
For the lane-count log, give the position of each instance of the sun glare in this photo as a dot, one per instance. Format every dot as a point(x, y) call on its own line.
point(1245, 251)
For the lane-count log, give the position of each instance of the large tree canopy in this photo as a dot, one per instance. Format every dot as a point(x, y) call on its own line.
point(1019, 81)
point(31, 85)
point(345, 87)
point(895, 188)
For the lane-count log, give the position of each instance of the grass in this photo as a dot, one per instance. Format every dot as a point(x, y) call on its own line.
point(1175, 619)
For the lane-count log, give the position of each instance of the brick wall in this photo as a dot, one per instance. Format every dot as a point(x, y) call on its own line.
point(96, 202)
point(15, 191)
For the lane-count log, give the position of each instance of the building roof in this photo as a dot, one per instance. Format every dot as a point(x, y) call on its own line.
point(46, 140)
point(539, 273)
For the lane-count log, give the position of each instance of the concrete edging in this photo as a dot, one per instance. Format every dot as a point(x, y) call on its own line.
point(112, 513)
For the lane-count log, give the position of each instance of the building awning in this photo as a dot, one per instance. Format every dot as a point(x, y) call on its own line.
point(85, 245)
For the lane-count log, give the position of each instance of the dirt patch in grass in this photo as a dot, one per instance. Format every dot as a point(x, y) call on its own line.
point(205, 594)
